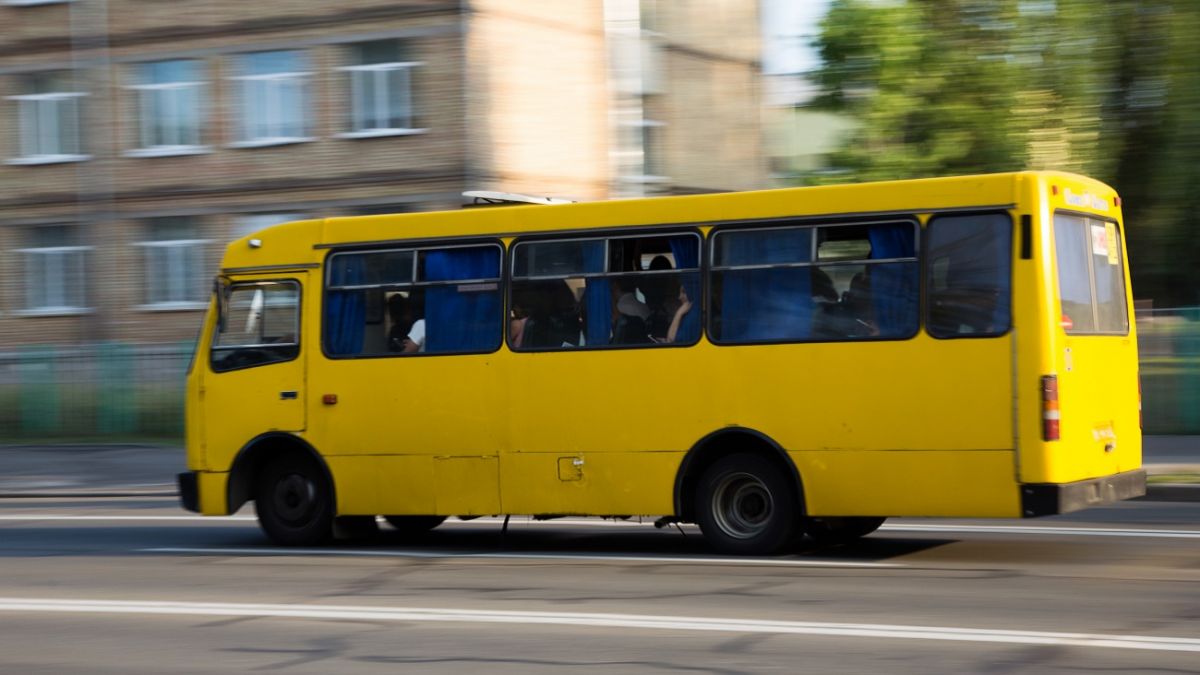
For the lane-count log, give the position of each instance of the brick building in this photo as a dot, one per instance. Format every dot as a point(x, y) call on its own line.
point(138, 137)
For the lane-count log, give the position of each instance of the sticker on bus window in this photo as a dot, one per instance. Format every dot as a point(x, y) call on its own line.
point(1110, 238)
point(1099, 241)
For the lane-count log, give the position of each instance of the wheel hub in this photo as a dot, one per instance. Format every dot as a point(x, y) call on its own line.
point(743, 505)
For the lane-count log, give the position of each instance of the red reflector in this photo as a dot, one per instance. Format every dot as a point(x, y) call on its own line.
point(1116, 201)
point(1053, 189)
point(329, 399)
point(1050, 430)
point(1050, 415)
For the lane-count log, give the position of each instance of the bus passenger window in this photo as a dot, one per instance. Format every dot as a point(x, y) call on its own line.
point(815, 283)
point(262, 326)
point(413, 301)
point(968, 275)
point(584, 293)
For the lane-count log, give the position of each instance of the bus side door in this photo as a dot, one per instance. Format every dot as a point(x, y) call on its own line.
point(256, 373)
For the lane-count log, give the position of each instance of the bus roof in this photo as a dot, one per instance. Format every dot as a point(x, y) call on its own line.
point(304, 242)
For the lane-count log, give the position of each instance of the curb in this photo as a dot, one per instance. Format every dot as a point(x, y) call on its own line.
point(93, 493)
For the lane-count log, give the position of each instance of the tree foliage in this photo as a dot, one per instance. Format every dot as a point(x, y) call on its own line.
point(1111, 90)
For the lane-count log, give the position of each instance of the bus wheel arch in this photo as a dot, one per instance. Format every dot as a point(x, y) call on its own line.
point(264, 453)
point(725, 442)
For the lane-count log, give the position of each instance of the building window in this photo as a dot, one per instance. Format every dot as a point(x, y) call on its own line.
point(54, 271)
point(249, 223)
point(381, 89)
point(47, 111)
point(168, 95)
point(273, 98)
point(174, 264)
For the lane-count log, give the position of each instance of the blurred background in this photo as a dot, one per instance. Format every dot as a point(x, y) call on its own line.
point(139, 137)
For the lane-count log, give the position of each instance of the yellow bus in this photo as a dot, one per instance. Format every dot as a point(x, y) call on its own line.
point(770, 365)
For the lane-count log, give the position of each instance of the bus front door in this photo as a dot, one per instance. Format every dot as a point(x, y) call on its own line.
point(256, 376)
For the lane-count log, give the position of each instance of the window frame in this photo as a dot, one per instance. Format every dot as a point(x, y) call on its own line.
point(30, 149)
point(416, 248)
point(580, 236)
point(145, 92)
point(1092, 273)
point(216, 333)
point(167, 305)
point(57, 251)
point(273, 82)
point(375, 69)
point(814, 223)
point(926, 261)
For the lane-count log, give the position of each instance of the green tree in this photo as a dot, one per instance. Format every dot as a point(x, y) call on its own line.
point(1111, 90)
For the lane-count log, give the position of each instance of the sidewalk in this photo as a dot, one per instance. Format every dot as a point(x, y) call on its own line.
point(100, 470)
point(88, 470)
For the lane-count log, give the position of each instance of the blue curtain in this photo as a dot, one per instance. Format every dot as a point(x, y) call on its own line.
point(597, 297)
point(894, 287)
point(345, 311)
point(687, 257)
point(460, 319)
point(766, 304)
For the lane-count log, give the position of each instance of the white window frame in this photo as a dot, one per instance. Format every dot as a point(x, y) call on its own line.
point(165, 93)
point(34, 114)
point(272, 84)
point(636, 157)
point(378, 76)
point(54, 269)
point(178, 286)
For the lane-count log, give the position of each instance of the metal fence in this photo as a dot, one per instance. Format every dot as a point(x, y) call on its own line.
point(1169, 346)
point(105, 391)
point(121, 391)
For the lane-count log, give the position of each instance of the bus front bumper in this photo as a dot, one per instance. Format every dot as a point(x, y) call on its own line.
point(1047, 499)
point(203, 492)
point(189, 491)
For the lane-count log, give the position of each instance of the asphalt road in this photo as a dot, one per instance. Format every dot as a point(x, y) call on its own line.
point(138, 586)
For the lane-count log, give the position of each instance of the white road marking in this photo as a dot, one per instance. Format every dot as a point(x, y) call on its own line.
point(633, 621)
point(691, 560)
point(1050, 530)
point(579, 522)
point(148, 518)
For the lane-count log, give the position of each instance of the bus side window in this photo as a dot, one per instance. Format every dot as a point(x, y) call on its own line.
point(968, 275)
point(413, 301)
point(262, 326)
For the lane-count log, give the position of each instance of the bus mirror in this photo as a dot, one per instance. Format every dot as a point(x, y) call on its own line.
point(219, 289)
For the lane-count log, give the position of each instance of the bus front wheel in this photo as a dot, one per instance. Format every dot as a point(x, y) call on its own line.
point(410, 526)
point(294, 501)
point(745, 505)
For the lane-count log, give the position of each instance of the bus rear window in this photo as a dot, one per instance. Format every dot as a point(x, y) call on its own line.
point(1091, 278)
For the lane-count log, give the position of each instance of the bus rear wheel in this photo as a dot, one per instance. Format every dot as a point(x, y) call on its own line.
point(834, 531)
point(747, 506)
point(410, 526)
point(294, 501)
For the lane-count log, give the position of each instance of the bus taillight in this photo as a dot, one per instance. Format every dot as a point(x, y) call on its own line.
point(1050, 415)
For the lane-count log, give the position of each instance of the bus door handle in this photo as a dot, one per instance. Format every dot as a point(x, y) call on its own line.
point(288, 395)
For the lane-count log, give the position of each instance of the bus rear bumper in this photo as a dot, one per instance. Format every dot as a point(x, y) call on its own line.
point(1047, 499)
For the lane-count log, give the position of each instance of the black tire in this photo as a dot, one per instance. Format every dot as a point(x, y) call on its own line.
point(411, 526)
point(748, 505)
point(294, 501)
point(835, 531)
